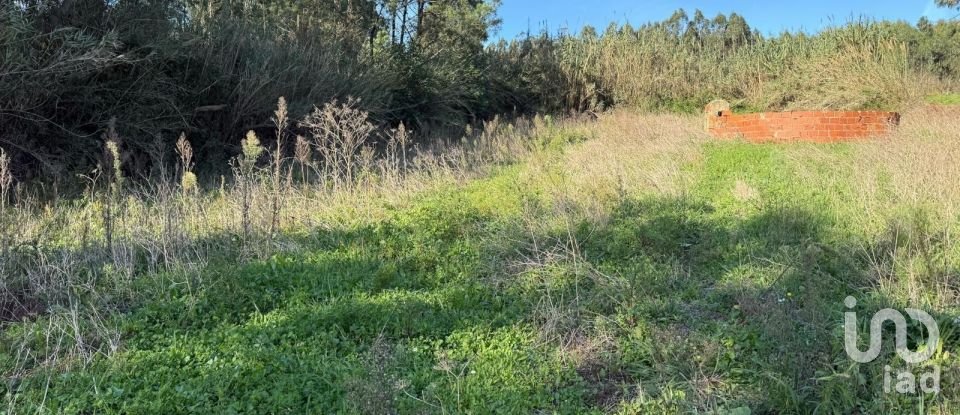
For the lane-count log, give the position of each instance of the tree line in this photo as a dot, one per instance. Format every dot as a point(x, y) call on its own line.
point(213, 69)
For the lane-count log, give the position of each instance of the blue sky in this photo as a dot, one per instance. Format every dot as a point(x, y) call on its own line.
point(767, 16)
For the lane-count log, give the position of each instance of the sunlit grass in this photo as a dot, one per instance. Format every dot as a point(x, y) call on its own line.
point(627, 265)
point(944, 99)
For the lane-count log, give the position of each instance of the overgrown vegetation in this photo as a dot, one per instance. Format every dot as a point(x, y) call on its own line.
point(381, 241)
point(508, 271)
point(213, 69)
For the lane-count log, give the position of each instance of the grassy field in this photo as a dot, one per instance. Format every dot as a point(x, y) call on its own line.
point(945, 99)
point(624, 265)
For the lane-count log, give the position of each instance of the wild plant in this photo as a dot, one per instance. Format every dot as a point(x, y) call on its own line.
point(276, 191)
point(304, 156)
point(6, 180)
point(245, 173)
point(84, 285)
point(188, 180)
point(112, 199)
point(339, 131)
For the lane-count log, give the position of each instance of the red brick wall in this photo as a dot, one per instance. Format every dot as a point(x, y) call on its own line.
point(817, 126)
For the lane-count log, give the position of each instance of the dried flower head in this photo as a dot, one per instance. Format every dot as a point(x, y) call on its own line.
point(251, 147)
point(185, 151)
point(188, 182)
point(113, 155)
point(280, 115)
point(302, 150)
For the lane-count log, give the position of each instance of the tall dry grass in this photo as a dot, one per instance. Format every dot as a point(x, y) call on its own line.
point(65, 284)
point(684, 64)
point(625, 155)
point(639, 153)
point(890, 214)
point(900, 193)
point(71, 266)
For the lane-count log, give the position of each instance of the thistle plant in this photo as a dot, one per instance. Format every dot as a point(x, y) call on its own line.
point(6, 180)
point(339, 131)
point(397, 142)
point(188, 182)
point(252, 150)
point(365, 160)
point(116, 167)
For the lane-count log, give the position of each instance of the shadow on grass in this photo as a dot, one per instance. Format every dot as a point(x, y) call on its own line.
point(745, 312)
point(299, 332)
point(404, 316)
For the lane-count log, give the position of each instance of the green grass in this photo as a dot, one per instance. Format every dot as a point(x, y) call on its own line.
point(709, 301)
point(944, 99)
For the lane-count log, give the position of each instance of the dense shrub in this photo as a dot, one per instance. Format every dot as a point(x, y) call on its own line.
point(682, 63)
point(213, 70)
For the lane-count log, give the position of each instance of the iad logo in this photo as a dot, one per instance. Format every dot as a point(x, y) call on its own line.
point(906, 381)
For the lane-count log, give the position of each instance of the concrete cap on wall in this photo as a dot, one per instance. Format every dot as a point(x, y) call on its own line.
point(715, 109)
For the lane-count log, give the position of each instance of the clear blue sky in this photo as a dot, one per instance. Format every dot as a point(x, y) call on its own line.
point(769, 16)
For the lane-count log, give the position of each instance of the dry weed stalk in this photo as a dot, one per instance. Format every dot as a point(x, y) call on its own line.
point(639, 153)
point(303, 154)
point(276, 195)
point(113, 199)
point(6, 179)
point(188, 180)
point(339, 131)
point(245, 173)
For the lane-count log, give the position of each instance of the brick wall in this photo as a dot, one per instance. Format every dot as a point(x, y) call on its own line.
point(816, 126)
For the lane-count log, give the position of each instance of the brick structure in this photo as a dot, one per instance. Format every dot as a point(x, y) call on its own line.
point(816, 126)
